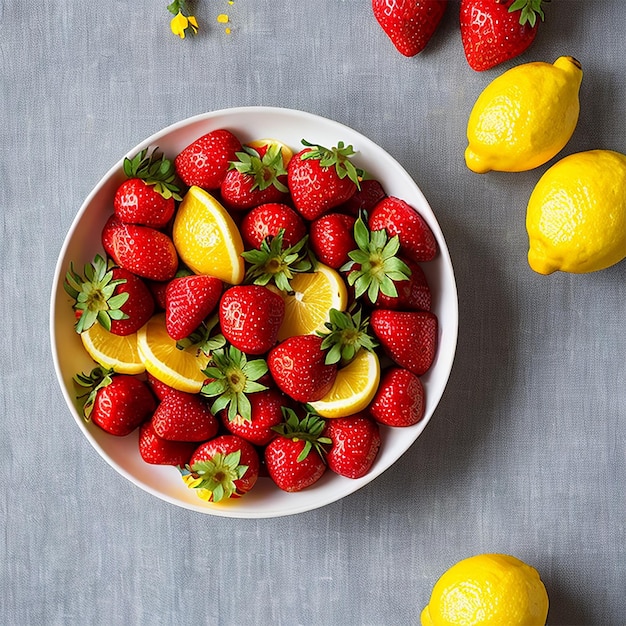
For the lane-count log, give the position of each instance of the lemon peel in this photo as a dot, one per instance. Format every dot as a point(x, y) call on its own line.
point(524, 117)
point(576, 214)
point(488, 590)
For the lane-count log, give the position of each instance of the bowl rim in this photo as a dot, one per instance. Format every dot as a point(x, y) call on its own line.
point(445, 364)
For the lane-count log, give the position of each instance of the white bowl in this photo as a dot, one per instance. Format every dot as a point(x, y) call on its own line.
point(83, 241)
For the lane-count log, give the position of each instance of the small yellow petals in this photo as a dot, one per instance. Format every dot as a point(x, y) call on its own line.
point(179, 25)
point(222, 18)
point(227, 31)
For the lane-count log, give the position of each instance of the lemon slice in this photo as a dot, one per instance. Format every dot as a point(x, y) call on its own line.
point(314, 295)
point(206, 237)
point(285, 150)
point(354, 387)
point(116, 352)
point(180, 369)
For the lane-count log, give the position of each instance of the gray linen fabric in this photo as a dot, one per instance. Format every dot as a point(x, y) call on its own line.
point(525, 454)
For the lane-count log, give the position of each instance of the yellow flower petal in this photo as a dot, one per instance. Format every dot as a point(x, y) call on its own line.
point(179, 24)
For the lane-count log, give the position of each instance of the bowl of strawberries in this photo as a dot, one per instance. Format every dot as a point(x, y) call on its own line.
point(254, 313)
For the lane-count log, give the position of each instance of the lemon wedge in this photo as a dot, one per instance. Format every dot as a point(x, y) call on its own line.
point(354, 387)
point(206, 237)
point(117, 352)
point(313, 295)
point(180, 369)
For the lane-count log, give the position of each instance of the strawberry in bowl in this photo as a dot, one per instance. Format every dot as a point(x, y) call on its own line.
point(249, 286)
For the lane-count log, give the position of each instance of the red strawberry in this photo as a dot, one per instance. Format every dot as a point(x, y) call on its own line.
point(265, 413)
point(159, 389)
point(148, 196)
point(413, 294)
point(298, 367)
point(114, 297)
point(494, 31)
point(331, 238)
point(399, 400)
point(409, 23)
point(294, 458)
point(184, 417)
point(267, 220)
point(397, 217)
point(135, 202)
point(205, 162)
point(142, 250)
point(408, 337)
point(250, 317)
point(189, 300)
point(227, 466)
point(158, 451)
point(355, 444)
point(255, 179)
point(117, 403)
point(320, 179)
point(371, 192)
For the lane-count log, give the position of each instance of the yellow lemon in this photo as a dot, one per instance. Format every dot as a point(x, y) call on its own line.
point(116, 352)
point(285, 151)
point(313, 295)
point(488, 590)
point(206, 237)
point(180, 369)
point(576, 214)
point(524, 117)
point(354, 387)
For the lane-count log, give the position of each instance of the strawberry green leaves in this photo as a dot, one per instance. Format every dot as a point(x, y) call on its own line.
point(155, 170)
point(374, 265)
point(337, 157)
point(345, 335)
point(529, 10)
point(231, 377)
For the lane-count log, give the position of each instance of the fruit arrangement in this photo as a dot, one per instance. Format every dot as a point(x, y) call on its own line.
point(255, 313)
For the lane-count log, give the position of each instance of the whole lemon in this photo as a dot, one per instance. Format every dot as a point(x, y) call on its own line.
point(488, 590)
point(524, 117)
point(576, 215)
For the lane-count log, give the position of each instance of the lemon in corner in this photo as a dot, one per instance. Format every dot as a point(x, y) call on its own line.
point(576, 214)
point(488, 590)
point(524, 117)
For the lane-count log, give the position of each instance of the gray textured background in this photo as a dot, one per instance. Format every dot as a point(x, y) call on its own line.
point(525, 454)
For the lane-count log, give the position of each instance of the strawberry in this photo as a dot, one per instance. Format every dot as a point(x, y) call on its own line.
point(158, 451)
point(413, 294)
point(159, 389)
point(189, 300)
point(227, 466)
point(298, 368)
point(294, 459)
point(231, 378)
point(409, 23)
point(250, 317)
point(120, 301)
point(205, 162)
point(320, 179)
point(331, 238)
point(148, 196)
point(399, 400)
point(374, 267)
point(265, 413)
point(268, 220)
point(145, 251)
point(355, 444)
point(184, 417)
point(369, 194)
point(495, 31)
point(397, 217)
point(117, 403)
point(408, 337)
point(255, 179)
point(275, 262)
